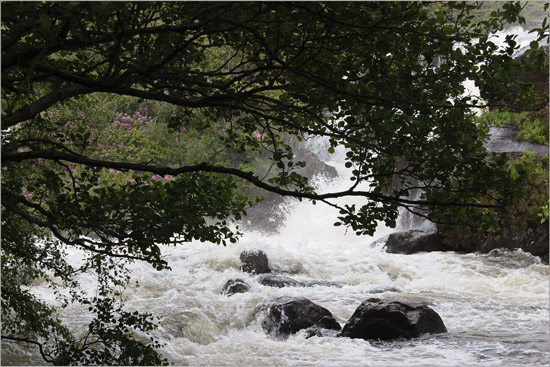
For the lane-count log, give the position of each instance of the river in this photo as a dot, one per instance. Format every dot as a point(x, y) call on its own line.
point(495, 306)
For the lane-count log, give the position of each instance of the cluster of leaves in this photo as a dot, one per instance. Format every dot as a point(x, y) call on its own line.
point(532, 206)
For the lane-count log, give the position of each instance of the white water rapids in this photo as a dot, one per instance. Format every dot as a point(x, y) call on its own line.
point(495, 306)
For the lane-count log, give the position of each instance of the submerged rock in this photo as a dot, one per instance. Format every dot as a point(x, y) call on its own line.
point(288, 315)
point(235, 286)
point(385, 320)
point(327, 326)
point(254, 262)
point(323, 283)
point(414, 241)
point(278, 281)
point(281, 281)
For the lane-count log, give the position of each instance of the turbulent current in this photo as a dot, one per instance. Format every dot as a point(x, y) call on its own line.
point(495, 306)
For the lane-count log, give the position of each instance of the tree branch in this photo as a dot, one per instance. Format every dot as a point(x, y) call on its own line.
point(48, 358)
point(204, 167)
point(31, 110)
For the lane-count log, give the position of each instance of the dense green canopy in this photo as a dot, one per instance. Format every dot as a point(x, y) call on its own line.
point(383, 79)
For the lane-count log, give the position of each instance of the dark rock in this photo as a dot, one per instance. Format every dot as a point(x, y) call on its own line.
point(384, 290)
point(314, 165)
point(327, 326)
point(254, 262)
point(288, 315)
point(235, 286)
point(414, 241)
point(533, 239)
point(279, 281)
point(378, 319)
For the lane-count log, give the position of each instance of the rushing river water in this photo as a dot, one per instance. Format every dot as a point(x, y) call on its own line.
point(495, 306)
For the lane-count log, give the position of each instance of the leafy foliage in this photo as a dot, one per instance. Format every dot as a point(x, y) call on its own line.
point(532, 206)
point(86, 166)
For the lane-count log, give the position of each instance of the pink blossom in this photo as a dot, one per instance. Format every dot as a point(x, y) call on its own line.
point(106, 154)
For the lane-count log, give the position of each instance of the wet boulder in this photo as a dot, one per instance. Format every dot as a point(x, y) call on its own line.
point(235, 286)
point(533, 239)
point(279, 281)
point(414, 241)
point(254, 262)
point(327, 326)
point(387, 320)
point(288, 315)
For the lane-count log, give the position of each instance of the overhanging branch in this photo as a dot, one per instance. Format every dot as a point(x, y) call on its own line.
point(205, 167)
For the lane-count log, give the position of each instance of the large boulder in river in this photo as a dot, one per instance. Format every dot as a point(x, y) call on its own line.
point(414, 241)
point(385, 320)
point(235, 286)
point(254, 262)
point(288, 315)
